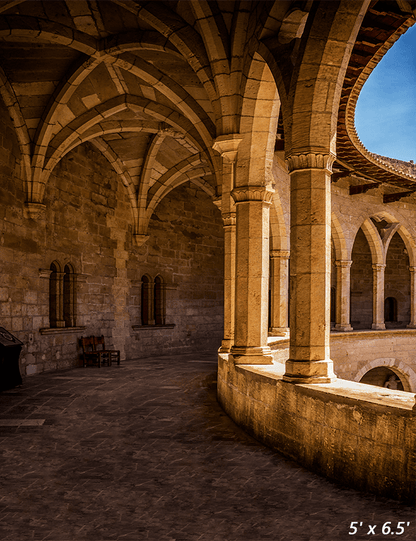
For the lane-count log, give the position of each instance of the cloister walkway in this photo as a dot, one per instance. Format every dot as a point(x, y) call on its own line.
point(143, 451)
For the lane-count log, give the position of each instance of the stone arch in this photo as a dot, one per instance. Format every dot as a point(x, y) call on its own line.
point(338, 237)
point(279, 238)
point(407, 375)
point(312, 121)
point(404, 233)
point(259, 117)
point(374, 242)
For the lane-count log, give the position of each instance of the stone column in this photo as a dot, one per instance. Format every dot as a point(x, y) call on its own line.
point(342, 317)
point(412, 324)
point(310, 269)
point(252, 277)
point(229, 220)
point(279, 282)
point(378, 297)
point(227, 146)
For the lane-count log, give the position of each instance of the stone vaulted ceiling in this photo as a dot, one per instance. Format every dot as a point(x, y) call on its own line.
point(135, 79)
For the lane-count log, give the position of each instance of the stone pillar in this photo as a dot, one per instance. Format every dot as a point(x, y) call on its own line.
point(378, 297)
point(412, 324)
point(252, 277)
point(229, 220)
point(310, 269)
point(227, 146)
point(342, 317)
point(279, 302)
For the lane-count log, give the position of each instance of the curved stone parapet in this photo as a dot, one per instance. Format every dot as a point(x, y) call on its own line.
point(359, 435)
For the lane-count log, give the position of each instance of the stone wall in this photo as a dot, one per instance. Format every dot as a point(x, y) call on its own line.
point(345, 431)
point(186, 248)
point(87, 224)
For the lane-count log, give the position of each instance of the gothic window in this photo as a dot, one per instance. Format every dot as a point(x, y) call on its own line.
point(153, 304)
point(159, 301)
point(62, 305)
point(146, 301)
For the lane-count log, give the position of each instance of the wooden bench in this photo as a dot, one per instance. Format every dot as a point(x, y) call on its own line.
point(94, 352)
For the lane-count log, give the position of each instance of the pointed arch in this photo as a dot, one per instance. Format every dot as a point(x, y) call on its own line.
point(338, 237)
point(258, 126)
point(374, 242)
point(279, 238)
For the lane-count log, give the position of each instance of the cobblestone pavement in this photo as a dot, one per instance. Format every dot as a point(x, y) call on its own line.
point(143, 451)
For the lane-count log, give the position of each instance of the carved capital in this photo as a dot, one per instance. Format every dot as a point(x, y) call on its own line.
point(229, 218)
point(378, 267)
point(140, 239)
point(343, 263)
point(227, 146)
point(34, 211)
point(45, 273)
point(252, 193)
point(310, 161)
point(279, 254)
point(412, 269)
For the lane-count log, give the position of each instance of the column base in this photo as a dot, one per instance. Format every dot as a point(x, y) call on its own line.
point(226, 345)
point(411, 326)
point(341, 327)
point(309, 371)
point(252, 355)
point(378, 326)
point(279, 331)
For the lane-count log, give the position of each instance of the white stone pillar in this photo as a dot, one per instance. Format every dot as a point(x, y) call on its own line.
point(412, 324)
point(252, 276)
point(279, 283)
point(342, 315)
point(378, 297)
point(310, 269)
point(227, 146)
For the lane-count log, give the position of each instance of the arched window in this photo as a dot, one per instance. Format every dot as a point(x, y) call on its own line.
point(159, 301)
point(62, 305)
point(153, 301)
point(54, 296)
point(146, 300)
point(390, 309)
point(69, 296)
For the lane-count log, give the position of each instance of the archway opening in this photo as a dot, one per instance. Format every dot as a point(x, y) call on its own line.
point(361, 284)
point(382, 376)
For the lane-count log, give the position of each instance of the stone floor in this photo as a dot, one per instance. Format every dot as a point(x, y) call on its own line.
point(143, 451)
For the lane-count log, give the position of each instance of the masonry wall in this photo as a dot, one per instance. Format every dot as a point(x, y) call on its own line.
point(186, 248)
point(88, 224)
point(340, 430)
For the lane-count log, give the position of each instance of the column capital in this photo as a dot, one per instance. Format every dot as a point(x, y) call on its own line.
point(378, 267)
point(343, 263)
point(228, 218)
point(310, 160)
point(227, 146)
point(412, 269)
point(279, 254)
point(252, 193)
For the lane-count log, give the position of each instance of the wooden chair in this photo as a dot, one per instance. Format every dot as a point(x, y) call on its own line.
point(112, 354)
point(91, 356)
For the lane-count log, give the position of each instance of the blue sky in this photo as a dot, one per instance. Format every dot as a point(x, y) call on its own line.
point(385, 116)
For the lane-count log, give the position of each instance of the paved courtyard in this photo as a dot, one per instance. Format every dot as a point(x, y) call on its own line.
point(143, 451)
